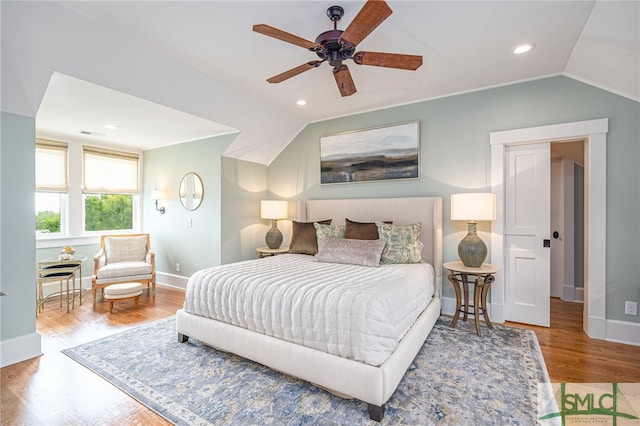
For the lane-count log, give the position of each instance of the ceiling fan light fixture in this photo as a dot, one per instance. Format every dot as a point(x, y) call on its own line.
point(523, 48)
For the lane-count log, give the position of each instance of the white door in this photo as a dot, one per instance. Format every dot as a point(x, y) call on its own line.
point(527, 234)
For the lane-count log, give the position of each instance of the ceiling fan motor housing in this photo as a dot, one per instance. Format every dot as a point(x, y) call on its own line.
point(333, 50)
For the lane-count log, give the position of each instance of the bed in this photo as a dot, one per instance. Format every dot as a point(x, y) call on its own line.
point(364, 368)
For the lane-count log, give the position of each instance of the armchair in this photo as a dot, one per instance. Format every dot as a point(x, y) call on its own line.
point(122, 259)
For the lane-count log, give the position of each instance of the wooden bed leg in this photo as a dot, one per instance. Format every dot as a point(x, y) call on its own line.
point(376, 412)
point(182, 338)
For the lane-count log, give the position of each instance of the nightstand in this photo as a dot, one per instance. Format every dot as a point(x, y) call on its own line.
point(266, 251)
point(481, 277)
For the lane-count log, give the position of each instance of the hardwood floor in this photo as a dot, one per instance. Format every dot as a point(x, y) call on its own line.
point(55, 390)
point(572, 357)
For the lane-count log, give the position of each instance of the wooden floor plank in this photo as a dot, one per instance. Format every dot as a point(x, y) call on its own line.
point(55, 390)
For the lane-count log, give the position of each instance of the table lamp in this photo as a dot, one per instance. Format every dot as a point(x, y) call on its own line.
point(473, 207)
point(274, 210)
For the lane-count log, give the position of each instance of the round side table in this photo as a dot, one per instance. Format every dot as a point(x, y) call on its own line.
point(481, 277)
point(266, 251)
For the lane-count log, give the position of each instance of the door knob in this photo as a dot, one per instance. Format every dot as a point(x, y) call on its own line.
point(556, 234)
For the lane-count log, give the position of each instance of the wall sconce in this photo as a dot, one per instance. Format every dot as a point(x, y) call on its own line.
point(156, 195)
point(274, 210)
point(471, 207)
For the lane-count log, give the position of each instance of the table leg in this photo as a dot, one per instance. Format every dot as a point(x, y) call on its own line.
point(80, 266)
point(477, 289)
point(456, 288)
point(488, 280)
point(465, 291)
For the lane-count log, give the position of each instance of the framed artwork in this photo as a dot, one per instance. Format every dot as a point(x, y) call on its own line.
point(381, 153)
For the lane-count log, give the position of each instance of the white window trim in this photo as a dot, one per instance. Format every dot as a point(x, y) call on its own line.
point(74, 217)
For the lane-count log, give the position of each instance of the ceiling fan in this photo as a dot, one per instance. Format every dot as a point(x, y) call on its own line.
point(336, 46)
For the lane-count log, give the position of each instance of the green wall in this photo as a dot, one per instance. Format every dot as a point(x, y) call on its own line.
point(244, 184)
point(198, 246)
point(17, 226)
point(455, 157)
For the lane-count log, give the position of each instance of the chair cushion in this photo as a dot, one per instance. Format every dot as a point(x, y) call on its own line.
point(123, 269)
point(125, 249)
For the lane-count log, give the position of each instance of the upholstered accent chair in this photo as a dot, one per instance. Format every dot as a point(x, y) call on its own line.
point(123, 258)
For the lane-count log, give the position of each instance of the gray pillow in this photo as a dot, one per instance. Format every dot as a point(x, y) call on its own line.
point(324, 231)
point(349, 251)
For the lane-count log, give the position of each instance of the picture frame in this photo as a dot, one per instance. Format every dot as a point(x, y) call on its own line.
point(377, 154)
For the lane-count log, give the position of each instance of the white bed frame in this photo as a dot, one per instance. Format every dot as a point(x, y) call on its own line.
point(344, 377)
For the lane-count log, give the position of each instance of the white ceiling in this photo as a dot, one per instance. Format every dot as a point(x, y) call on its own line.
point(465, 46)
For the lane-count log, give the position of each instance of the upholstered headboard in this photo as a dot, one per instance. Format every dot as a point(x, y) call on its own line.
point(402, 211)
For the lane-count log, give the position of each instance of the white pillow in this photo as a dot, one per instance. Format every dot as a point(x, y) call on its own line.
point(349, 251)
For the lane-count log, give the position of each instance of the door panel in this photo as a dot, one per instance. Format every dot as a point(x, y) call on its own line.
point(527, 206)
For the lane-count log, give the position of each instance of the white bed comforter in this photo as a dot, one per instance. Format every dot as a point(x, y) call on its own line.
point(351, 311)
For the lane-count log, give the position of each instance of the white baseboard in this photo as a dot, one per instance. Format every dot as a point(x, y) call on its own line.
point(172, 280)
point(20, 348)
point(623, 332)
point(568, 293)
point(579, 294)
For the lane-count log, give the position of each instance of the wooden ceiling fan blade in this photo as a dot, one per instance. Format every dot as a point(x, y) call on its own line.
point(389, 60)
point(372, 14)
point(285, 36)
point(344, 81)
point(294, 71)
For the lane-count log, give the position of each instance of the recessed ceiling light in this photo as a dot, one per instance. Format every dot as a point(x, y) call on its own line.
point(301, 102)
point(110, 126)
point(523, 48)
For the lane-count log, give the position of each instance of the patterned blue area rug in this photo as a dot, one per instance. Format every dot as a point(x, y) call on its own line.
point(458, 378)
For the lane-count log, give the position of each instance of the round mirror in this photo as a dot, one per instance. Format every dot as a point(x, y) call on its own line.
point(191, 191)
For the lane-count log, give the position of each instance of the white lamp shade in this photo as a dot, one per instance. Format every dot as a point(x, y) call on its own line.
point(473, 206)
point(157, 194)
point(274, 209)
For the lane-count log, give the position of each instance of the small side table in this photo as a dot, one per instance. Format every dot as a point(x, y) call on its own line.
point(482, 278)
point(266, 251)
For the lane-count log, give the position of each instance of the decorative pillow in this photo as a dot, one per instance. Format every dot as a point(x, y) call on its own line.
point(125, 249)
point(361, 230)
point(403, 243)
point(350, 251)
point(324, 231)
point(304, 239)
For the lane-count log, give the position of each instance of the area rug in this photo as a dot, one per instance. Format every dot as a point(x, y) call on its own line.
point(457, 378)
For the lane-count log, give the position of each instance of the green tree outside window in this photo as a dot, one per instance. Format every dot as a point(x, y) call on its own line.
point(104, 212)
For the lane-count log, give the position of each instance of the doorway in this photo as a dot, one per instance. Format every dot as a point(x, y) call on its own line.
point(593, 132)
point(567, 218)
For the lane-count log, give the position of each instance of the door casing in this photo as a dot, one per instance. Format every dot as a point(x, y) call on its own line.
point(594, 133)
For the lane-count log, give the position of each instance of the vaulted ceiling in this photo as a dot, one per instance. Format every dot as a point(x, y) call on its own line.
point(466, 46)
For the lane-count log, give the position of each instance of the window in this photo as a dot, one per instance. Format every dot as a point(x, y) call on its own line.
point(110, 182)
point(51, 186)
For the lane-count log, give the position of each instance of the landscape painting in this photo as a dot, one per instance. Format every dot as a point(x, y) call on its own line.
point(382, 153)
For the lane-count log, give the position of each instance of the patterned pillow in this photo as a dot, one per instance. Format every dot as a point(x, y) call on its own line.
point(324, 231)
point(350, 251)
point(304, 239)
point(403, 243)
